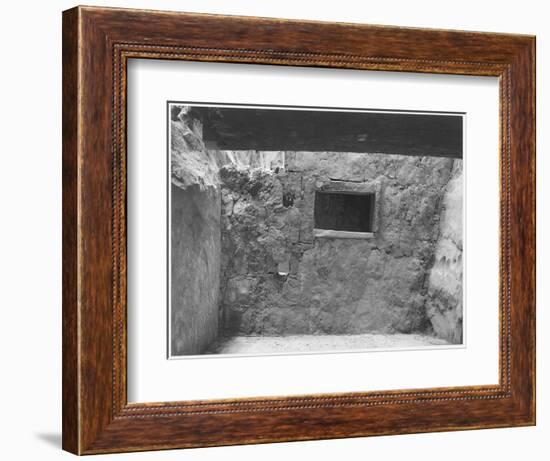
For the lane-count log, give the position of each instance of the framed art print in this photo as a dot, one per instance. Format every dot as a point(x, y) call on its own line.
point(280, 230)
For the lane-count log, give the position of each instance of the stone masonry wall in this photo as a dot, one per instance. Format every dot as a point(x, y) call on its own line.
point(333, 286)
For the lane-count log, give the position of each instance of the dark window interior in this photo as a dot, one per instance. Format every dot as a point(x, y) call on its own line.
point(344, 211)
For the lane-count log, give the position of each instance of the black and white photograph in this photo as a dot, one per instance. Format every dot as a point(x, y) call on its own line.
point(296, 230)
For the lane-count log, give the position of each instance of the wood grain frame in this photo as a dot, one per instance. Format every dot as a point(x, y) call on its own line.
point(97, 43)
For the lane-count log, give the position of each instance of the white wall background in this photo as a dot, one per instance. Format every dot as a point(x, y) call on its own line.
point(30, 231)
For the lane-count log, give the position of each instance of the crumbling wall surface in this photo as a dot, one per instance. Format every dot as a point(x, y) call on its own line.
point(191, 163)
point(195, 244)
point(333, 286)
point(444, 304)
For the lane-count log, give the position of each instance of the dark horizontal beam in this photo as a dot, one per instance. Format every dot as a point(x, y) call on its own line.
point(231, 128)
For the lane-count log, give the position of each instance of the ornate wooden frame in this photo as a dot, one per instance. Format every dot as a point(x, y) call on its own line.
point(97, 43)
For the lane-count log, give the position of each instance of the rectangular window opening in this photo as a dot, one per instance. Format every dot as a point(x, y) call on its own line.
point(344, 214)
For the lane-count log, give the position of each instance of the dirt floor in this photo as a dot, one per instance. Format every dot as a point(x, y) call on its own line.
point(252, 345)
